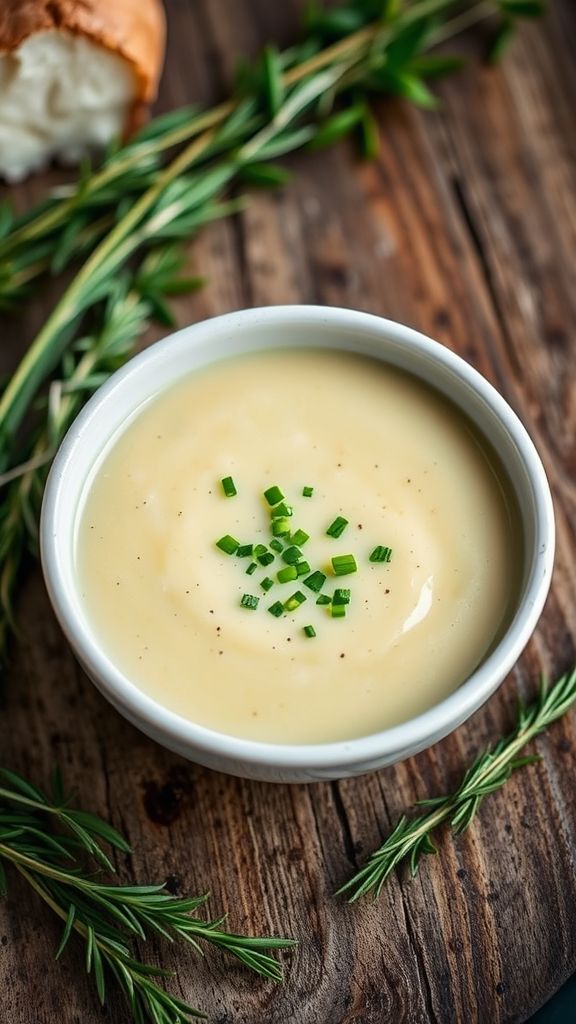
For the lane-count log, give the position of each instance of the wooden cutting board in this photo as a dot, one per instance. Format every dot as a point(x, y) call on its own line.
point(466, 229)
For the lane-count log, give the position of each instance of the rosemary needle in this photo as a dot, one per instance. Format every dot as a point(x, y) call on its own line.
point(411, 838)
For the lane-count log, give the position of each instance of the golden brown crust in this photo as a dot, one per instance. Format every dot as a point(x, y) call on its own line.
point(134, 29)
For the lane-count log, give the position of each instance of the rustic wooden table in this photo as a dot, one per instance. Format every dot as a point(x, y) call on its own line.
point(465, 228)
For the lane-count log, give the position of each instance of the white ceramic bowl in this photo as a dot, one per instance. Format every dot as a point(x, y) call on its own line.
point(276, 327)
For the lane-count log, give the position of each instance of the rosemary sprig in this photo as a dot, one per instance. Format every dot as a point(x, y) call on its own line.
point(108, 918)
point(411, 838)
point(124, 315)
point(289, 104)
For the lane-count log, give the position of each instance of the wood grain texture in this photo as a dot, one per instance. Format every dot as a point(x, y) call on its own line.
point(465, 228)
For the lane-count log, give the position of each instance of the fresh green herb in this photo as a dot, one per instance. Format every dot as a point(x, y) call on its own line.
point(307, 492)
point(302, 568)
point(316, 581)
point(249, 601)
point(273, 495)
point(251, 568)
point(276, 609)
point(287, 574)
point(228, 544)
point(309, 631)
point(276, 545)
point(337, 611)
point(344, 564)
point(280, 527)
point(294, 601)
point(266, 558)
point(381, 554)
point(299, 538)
point(229, 487)
point(45, 840)
point(291, 555)
point(341, 596)
point(267, 584)
point(283, 509)
point(336, 529)
point(410, 839)
point(323, 599)
point(245, 550)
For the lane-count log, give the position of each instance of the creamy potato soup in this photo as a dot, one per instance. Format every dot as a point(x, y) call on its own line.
point(180, 595)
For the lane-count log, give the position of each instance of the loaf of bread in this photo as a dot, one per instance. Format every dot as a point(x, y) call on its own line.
point(73, 74)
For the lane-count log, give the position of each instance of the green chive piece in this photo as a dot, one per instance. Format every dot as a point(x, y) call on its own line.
point(276, 609)
point(291, 555)
point(229, 487)
point(344, 564)
point(323, 599)
point(267, 558)
point(249, 601)
point(307, 492)
point(267, 584)
point(381, 554)
point(316, 581)
point(280, 527)
point(273, 495)
point(276, 545)
point(287, 574)
point(228, 544)
point(336, 529)
point(341, 597)
point(338, 611)
point(245, 550)
point(309, 631)
point(300, 537)
point(302, 567)
point(281, 510)
point(294, 601)
point(251, 568)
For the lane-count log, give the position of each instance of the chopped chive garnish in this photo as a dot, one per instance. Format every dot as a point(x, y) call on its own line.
point(316, 581)
point(344, 564)
point(381, 554)
point(280, 527)
point(338, 611)
point(294, 601)
point(288, 573)
point(276, 545)
point(264, 556)
point(309, 631)
point(336, 529)
point(302, 567)
point(229, 487)
point(281, 510)
point(341, 597)
point(267, 583)
point(307, 492)
point(323, 599)
point(228, 544)
point(273, 495)
point(300, 537)
point(251, 568)
point(291, 555)
point(276, 609)
point(249, 601)
point(245, 550)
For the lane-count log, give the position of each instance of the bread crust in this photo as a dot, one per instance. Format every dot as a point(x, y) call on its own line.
point(134, 29)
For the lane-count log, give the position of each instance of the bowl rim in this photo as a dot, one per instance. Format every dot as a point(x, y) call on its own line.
point(414, 734)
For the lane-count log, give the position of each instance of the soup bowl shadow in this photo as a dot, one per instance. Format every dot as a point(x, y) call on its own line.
point(162, 365)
